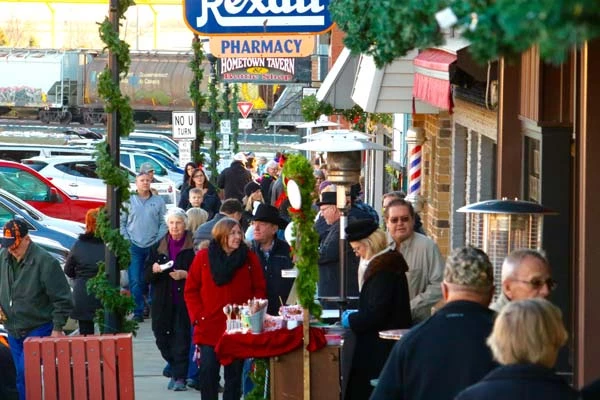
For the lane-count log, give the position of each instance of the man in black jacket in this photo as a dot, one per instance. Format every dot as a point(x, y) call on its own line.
point(233, 178)
point(447, 352)
point(274, 255)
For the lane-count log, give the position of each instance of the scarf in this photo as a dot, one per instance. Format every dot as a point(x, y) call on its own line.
point(223, 266)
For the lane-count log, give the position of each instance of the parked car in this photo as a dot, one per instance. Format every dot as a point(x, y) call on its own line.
point(134, 160)
point(10, 210)
point(63, 224)
point(77, 175)
point(28, 185)
point(161, 140)
point(17, 152)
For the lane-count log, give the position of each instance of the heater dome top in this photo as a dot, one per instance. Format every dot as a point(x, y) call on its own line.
point(506, 206)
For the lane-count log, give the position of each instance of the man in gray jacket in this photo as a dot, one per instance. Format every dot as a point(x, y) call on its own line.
point(35, 296)
point(143, 224)
point(425, 262)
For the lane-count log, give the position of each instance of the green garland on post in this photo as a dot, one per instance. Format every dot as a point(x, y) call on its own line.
point(235, 128)
point(198, 98)
point(213, 104)
point(305, 247)
point(109, 170)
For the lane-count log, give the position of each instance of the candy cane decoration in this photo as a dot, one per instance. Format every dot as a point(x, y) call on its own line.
point(414, 172)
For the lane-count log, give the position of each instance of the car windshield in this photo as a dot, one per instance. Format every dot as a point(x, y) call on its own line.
point(33, 213)
point(23, 185)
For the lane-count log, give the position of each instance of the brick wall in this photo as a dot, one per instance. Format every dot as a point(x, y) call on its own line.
point(436, 176)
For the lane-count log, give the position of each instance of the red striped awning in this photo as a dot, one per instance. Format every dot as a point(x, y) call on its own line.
point(432, 78)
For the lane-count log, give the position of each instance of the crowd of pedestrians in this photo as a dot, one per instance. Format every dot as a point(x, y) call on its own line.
point(224, 245)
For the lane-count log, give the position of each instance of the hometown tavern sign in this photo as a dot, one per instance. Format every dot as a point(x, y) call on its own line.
point(265, 70)
point(222, 17)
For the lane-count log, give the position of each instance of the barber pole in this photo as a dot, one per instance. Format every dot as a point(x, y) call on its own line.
point(414, 172)
point(414, 141)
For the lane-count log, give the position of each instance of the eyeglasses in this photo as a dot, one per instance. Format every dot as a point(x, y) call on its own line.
point(404, 218)
point(537, 283)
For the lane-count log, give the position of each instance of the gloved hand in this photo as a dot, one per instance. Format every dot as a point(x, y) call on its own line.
point(345, 315)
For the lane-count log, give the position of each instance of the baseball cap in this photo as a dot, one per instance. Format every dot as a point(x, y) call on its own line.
point(146, 167)
point(13, 232)
point(240, 157)
point(469, 266)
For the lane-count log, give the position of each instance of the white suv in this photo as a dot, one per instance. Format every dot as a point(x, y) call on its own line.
point(76, 175)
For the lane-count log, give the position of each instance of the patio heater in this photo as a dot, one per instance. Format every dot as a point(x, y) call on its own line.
point(501, 226)
point(344, 159)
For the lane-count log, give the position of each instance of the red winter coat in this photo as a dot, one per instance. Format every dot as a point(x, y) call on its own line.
point(205, 300)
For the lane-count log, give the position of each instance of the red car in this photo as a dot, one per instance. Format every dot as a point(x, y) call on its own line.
point(30, 186)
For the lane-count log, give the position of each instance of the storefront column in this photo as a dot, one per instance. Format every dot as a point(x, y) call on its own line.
point(587, 218)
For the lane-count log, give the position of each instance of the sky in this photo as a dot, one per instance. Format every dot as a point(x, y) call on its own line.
point(75, 26)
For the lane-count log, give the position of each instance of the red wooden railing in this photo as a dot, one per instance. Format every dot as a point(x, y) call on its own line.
point(79, 368)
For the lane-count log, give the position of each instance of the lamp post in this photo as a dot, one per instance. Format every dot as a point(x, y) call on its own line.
point(344, 155)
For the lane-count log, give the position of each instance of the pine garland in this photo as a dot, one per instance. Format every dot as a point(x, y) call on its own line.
point(198, 98)
point(235, 128)
point(213, 104)
point(305, 247)
point(388, 30)
point(259, 376)
point(108, 169)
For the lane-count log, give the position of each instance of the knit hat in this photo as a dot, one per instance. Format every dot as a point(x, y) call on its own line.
point(250, 188)
point(240, 157)
point(469, 266)
point(13, 232)
point(359, 229)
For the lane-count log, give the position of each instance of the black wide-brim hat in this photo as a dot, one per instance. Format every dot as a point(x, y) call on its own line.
point(359, 229)
point(270, 214)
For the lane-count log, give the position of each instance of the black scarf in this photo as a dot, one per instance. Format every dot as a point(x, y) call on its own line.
point(223, 266)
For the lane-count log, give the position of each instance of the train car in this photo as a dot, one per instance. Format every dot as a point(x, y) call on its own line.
point(157, 83)
point(47, 81)
point(62, 85)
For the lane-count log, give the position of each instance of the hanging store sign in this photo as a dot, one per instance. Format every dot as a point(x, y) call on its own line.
point(241, 17)
point(262, 46)
point(265, 70)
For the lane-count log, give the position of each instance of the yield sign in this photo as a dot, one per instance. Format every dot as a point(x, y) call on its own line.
point(244, 107)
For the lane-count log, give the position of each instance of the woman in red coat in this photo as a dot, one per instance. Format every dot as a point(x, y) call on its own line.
point(227, 272)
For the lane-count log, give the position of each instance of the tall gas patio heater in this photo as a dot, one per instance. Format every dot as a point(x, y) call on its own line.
point(501, 226)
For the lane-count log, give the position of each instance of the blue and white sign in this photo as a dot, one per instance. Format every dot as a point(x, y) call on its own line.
point(220, 17)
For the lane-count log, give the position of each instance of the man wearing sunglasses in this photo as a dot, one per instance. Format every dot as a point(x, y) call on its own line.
point(525, 274)
point(425, 262)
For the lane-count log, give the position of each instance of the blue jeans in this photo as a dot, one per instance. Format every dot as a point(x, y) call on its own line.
point(209, 376)
point(16, 349)
point(136, 277)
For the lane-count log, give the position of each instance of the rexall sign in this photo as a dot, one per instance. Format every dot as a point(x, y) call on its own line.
point(220, 17)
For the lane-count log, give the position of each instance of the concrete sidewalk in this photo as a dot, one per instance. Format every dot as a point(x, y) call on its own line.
point(147, 369)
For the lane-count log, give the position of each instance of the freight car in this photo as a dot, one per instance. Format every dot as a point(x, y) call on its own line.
point(62, 85)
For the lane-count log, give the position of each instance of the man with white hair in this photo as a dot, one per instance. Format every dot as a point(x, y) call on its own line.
point(525, 274)
point(267, 179)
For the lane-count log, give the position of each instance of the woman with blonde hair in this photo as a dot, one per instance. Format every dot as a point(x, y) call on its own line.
point(383, 304)
point(526, 338)
point(196, 217)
